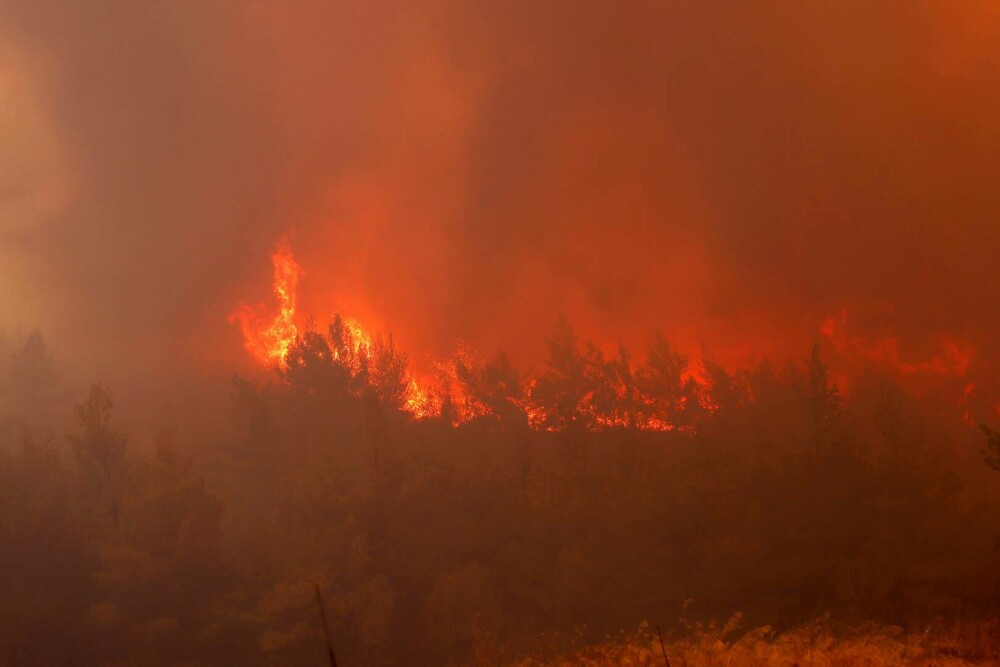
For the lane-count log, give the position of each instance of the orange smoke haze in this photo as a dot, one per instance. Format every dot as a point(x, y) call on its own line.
point(479, 332)
point(270, 335)
point(727, 175)
point(952, 361)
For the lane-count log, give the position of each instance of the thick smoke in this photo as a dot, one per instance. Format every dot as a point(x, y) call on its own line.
point(746, 179)
point(727, 175)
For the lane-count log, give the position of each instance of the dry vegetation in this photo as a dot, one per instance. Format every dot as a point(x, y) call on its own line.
point(819, 644)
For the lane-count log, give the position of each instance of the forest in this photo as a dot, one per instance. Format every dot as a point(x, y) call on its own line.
point(531, 516)
point(668, 333)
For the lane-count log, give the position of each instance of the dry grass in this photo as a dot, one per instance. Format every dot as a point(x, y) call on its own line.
point(819, 644)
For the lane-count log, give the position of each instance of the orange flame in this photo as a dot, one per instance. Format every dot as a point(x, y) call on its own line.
point(270, 339)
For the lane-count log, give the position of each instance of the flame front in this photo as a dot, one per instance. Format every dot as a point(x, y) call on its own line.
point(465, 387)
point(275, 341)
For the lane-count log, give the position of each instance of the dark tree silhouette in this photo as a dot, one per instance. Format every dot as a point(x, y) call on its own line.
point(349, 354)
point(389, 377)
point(660, 381)
point(615, 397)
point(31, 369)
point(724, 391)
point(100, 450)
point(313, 366)
point(824, 399)
point(562, 391)
point(991, 453)
point(495, 389)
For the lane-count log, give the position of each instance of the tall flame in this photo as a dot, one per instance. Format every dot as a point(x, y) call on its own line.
point(270, 339)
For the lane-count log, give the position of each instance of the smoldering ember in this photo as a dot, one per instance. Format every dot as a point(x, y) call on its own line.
point(512, 334)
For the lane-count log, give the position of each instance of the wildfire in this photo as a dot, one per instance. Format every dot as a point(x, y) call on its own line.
point(466, 387)
point(463, 388)
point(270, 339)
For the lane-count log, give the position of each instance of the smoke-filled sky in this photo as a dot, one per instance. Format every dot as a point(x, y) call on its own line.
point(732, 173)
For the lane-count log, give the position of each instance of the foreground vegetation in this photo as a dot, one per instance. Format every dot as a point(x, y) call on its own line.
point(819, 644)
point(444, 542)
